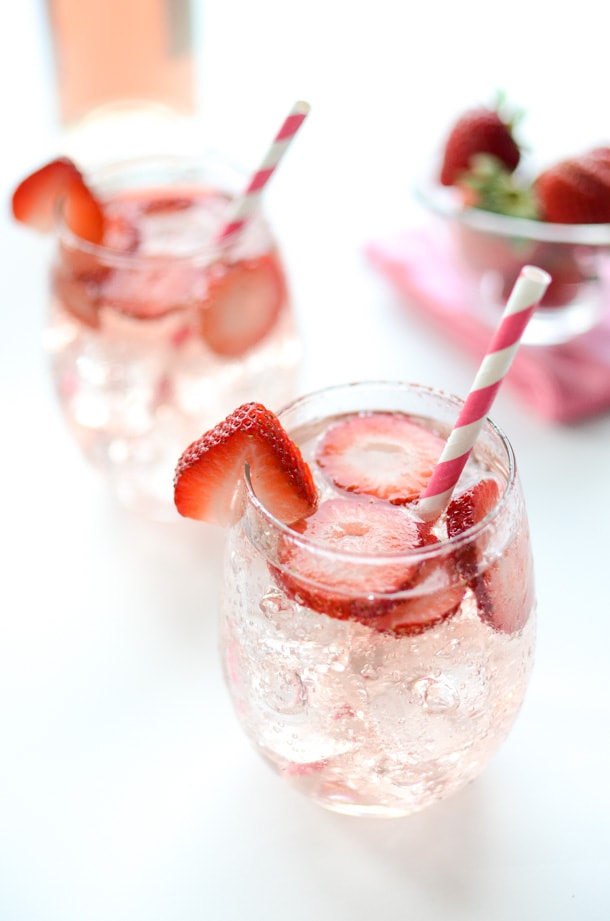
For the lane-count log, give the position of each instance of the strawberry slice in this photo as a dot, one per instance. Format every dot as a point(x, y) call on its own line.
point(464, 511)
point(151, 288)
point(504, 592)
point(343, 588)
point(121, 233)
point(210, 470)
point(243, 302)
point(37, 197)
point(349, 588)
point(83, 273)
point(79, 296)
point(162, 203)
point(83, 270)
point(386, 455)
point(415, 615)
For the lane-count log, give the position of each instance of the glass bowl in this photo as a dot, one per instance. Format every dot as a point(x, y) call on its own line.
point(491, 248)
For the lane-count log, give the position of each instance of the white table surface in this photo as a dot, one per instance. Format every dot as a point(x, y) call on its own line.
point(127, 791)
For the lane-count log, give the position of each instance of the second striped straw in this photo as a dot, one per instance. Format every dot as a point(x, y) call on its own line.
point(247, 203)
point(525, 296)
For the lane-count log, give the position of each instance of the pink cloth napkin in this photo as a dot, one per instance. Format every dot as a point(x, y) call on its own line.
point(563, 383)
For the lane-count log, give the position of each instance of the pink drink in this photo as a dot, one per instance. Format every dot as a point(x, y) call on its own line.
point(377, 683)
point(161, 328)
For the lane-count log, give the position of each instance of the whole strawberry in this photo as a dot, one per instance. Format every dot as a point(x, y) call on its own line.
point(478, 131)
point(576, 190)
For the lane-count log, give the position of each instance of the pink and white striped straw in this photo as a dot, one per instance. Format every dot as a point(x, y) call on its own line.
point(525, 296)
point(246, 205)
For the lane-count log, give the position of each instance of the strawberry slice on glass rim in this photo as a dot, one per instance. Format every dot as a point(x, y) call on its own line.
point(243, 302)
point(36, 202)
point(37, 198)
point(210, 470)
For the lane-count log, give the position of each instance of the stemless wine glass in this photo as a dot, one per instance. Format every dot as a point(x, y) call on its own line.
point(405, 700)
point(164, 328)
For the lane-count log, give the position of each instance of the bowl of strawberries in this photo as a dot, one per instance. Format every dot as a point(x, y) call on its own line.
point(503, 213)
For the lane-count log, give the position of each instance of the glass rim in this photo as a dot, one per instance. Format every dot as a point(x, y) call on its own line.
point(444, 547)
point(446, 202)
point(172, 162)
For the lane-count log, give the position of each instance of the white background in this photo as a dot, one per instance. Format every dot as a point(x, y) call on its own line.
point(126, 789)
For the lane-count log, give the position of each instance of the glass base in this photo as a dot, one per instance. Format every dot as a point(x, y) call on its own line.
point(372, 810)
point(405, 800)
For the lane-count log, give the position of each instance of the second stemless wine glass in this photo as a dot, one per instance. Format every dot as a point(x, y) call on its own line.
point(163, 327)
point(377, 683)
